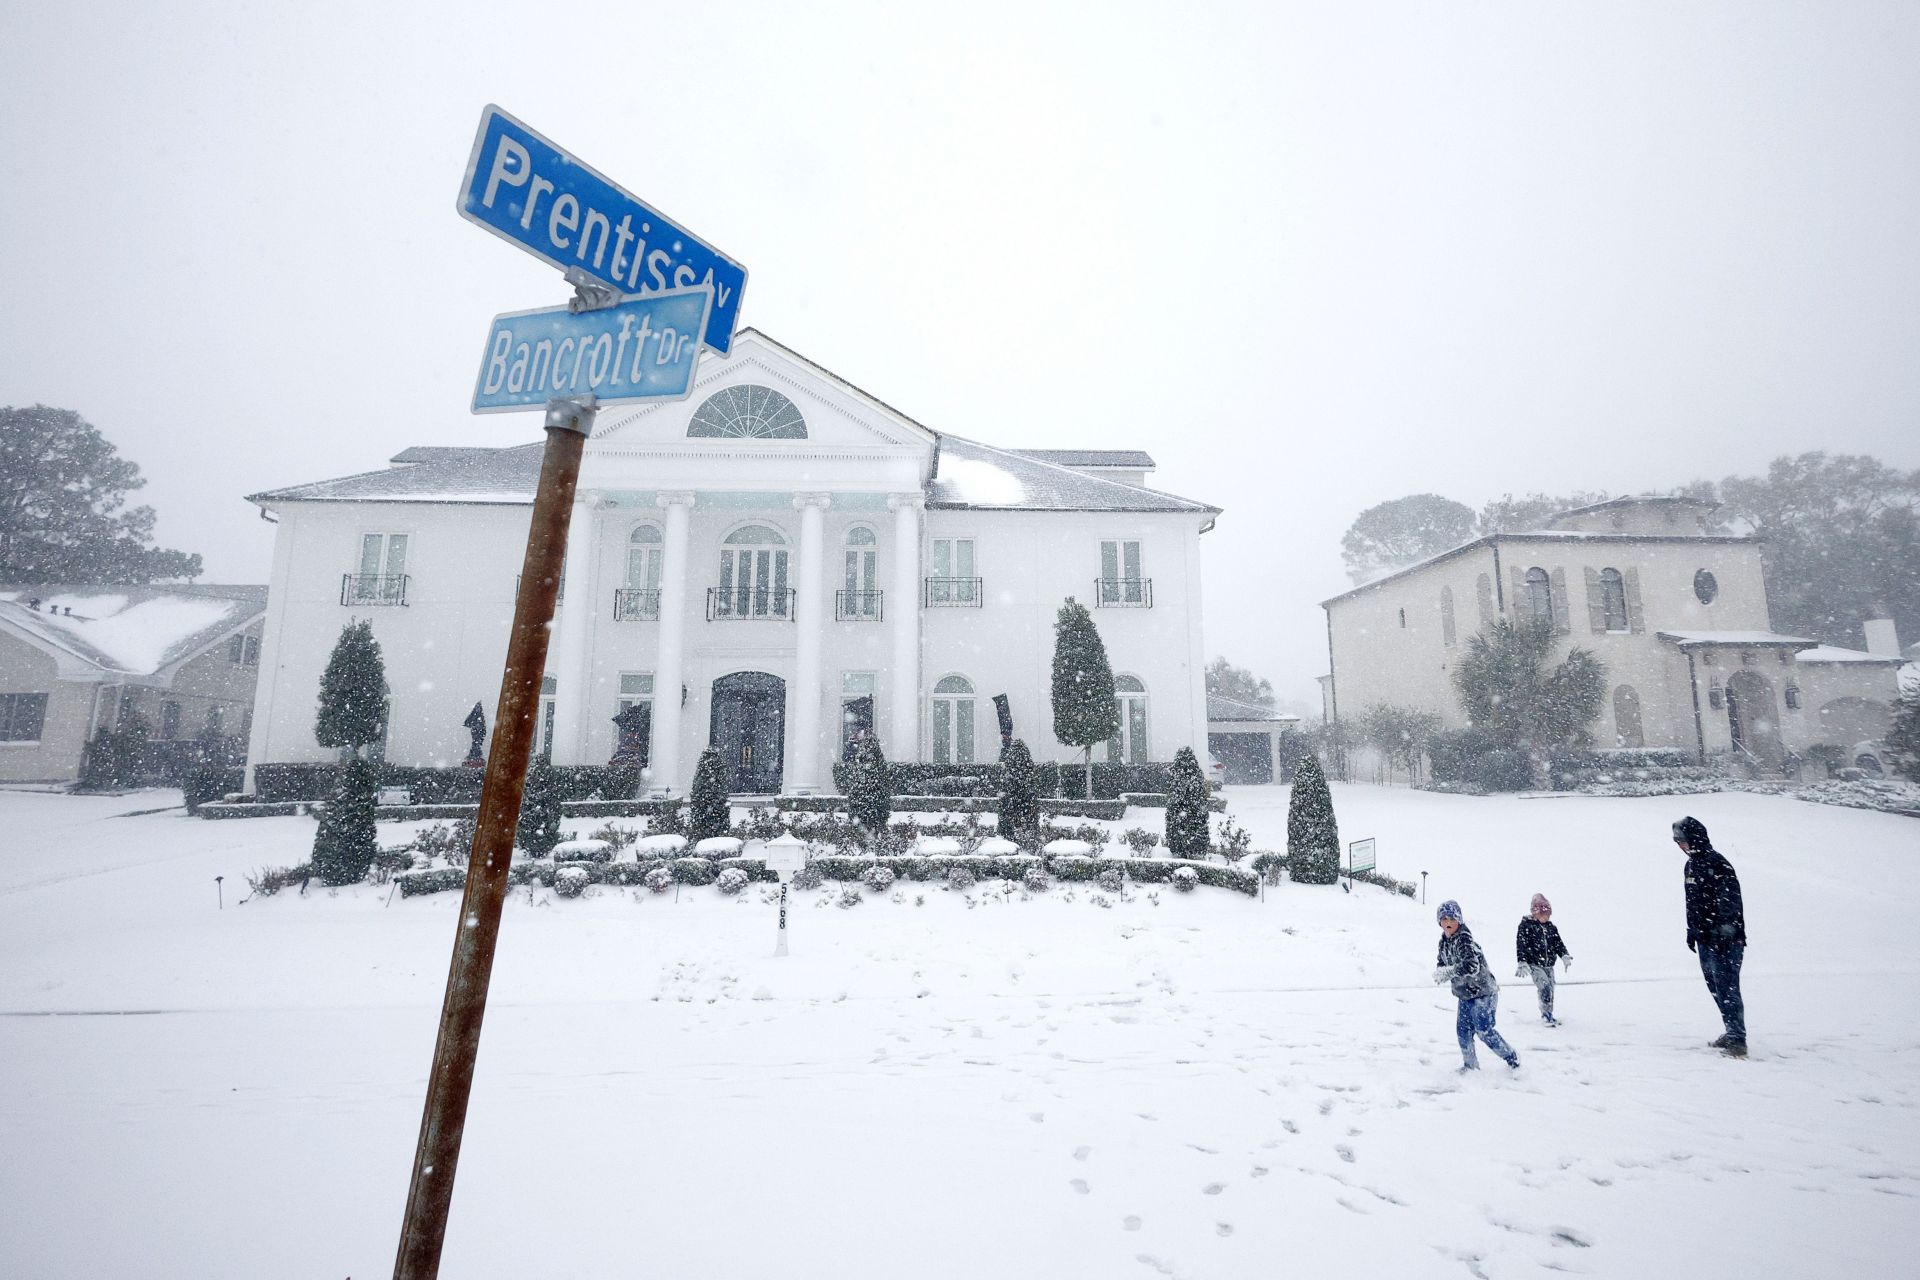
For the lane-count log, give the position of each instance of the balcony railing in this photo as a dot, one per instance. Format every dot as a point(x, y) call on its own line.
point(636, 604)
point(749, 603)
point(373, 589)
point(858, 606)
point(953, 593)
point(1123, 593)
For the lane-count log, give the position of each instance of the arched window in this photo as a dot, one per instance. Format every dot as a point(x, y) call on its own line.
point(1627, 729)
point(1446, 616)
point(1483, 596)
point(953, 721)
point(753, 574)
point(749, 412)
point(1613, 599)
point(644, 552)
point(861, 594)
point(1539, 602)
point(1130, 745)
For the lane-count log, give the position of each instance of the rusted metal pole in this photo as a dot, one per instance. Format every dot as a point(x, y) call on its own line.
point(451, 1081)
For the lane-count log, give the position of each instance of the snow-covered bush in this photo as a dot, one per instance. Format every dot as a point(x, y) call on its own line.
point(1140, 840)
point(588, 850)
point(660, 879)
point(731, 881)
point(268, 881)
point(1185, 879)
point(1235, 841)
point(438, 880)
point(849, 897)
point(878, 879)
point(695, 871)
point(808, 878)
point(616, 836)
point(1111, 879)
point(959, 878)
point(1036, 880)
point(1883, 794)
point(571, 882)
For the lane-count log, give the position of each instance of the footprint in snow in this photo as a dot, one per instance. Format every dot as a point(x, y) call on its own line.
point(1130, 1223)
point(1080, 1186)
point(1345, 1152)
point(1223, 1228)
point(1213, 1188)
point(1081, 1153)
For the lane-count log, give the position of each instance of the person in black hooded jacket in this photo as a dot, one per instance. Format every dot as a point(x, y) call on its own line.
point(1716, 928)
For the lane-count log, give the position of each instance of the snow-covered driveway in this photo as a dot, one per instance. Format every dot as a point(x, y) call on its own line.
point(1177, 1085)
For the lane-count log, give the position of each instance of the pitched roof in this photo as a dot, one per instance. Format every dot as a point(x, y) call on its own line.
point(428, 474)
point(973, 476)
point(130, 630)
point(1835, 655)
point(1737, 639)
point(1221, 709)
point(1124, 459)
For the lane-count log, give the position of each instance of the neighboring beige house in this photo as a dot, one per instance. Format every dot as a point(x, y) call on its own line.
point(73, 658)
point(1678, 615)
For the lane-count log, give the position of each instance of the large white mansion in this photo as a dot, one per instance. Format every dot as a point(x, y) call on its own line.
point(775, 565)
point(1678, 615)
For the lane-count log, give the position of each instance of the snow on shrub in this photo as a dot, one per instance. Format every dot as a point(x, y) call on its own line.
point(660, 846)
point(808, 877)
point(718, 847)
point(694, 871)
point(731, 881)
point(959, 878)
point(1067, 848)
point(571, 882)
point(1185, 879)
point(878, 879)
point(1036, 880)
point(849, 897)
point(585, 850)
point(1112, 879)
point(660, 879)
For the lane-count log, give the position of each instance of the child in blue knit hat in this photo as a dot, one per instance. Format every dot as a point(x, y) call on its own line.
point(1463, 965)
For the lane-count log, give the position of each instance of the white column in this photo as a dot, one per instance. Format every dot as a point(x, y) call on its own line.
point(574, 619)
point(903, 606)
point(804, 757)
point(669, 673)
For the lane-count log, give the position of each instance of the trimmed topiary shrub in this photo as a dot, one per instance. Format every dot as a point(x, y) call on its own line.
point(571, 882)
point(1187, 807)
point(708, 814)
point(1036, 880)
point(732, 881)
point(658, 879)
point(1020, 802)
point(1186, 879)
point(539, 828)
point(345, 842)
point(870, 788)
point(694, 871)
point(1111, 879)
point(1313, 834)
point(959, 878)
point(878, 879)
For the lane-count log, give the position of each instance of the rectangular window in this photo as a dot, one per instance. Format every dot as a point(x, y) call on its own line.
point(856, 709)
point(954, 577)
point(169, 720)
point(381, 575)
point(22, 716)
point(1121, 581)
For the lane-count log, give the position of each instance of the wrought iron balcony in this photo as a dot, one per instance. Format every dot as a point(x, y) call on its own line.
point(954, 593)
point(373, 589)
point(636, 604)
point(858, 606)
point(750, 604)
point(1123, 593)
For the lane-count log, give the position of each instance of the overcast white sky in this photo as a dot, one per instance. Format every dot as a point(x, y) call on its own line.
point(1312, 257)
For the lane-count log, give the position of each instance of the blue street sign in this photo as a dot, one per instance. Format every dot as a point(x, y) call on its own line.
point(641, 349)
point(530, 193)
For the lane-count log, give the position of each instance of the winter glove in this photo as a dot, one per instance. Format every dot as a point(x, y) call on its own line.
point(1442, 975)
point(1566, 964)
point(1520, 970)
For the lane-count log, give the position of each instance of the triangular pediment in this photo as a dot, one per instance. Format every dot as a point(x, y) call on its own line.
point(829, 415)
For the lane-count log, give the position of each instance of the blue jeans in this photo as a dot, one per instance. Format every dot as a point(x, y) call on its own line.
point(1721, 967)
point(1476, 1019)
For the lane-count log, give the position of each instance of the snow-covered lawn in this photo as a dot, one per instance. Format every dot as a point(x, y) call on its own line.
point(1189, 1085)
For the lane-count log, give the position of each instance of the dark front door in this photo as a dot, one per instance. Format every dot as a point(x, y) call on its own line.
point(749, 730)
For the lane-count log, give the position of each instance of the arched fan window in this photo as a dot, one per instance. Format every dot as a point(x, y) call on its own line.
point(748, 412)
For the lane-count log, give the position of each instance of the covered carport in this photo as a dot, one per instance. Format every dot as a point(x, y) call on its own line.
point(1245, 738)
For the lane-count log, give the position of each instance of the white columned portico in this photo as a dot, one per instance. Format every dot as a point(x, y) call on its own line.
point(670, 669)
point(803, 773)
point(575, 616)
point(904, 742)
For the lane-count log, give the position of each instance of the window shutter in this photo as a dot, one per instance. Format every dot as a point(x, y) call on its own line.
point(1483, 591)
point(1636, 623)
point(1596, 602)
point(1517, 598)
point(1561, 623)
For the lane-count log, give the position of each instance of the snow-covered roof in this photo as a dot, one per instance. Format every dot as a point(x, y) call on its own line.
point(1641, 500)
point(974, 475)
point(427, 474)
point(1736, 639)
point(132, 630)
point(1120, 459)
point(1532, 535)
point(1221, 709)
point(1836, 654)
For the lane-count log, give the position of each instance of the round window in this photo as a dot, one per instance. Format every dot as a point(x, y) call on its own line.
point(1706, 586)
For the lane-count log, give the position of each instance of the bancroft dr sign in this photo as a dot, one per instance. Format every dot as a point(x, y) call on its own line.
point(532, 194)
point(643, 348)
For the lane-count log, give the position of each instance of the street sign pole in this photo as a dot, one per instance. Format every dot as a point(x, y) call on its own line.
point(780, 947)
point(450, 1083)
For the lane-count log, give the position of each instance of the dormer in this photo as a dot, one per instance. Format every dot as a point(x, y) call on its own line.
point(1648, 515)
point(1126, 466)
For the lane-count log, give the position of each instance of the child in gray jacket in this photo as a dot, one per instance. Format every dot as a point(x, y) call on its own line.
point(1463, 966)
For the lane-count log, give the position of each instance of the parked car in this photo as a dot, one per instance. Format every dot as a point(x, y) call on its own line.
point(1216, 772)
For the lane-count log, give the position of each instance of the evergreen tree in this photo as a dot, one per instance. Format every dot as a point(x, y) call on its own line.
point(870, 790)
point(1187, 834)
point(353, 692)
point(1313, 834)
point(344, 844)
point(112, 759)
point(1020, 795)
point(708, 812)
point(1510, 694)
point(540, 810)
point(1904, 736)
point(1085, 711)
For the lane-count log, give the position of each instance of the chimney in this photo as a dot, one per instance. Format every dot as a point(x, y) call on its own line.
point(1883, 640)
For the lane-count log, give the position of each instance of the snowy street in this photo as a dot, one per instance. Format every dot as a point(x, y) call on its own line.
point(1179, 1085)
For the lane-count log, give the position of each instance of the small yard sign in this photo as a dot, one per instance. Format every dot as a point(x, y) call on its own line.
point(1360, 856)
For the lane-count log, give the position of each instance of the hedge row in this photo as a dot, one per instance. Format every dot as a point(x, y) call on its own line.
point(280, 782)
point(1110, 781)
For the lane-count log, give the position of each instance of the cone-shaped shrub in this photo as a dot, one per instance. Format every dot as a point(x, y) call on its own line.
point(707, 812)
point(870, 789)
point(1085, 713)
point(353, 692)
point(1187, 835)
point(1020, 800)
point(344, 844)
point(540, 810)
point(1313, 835)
